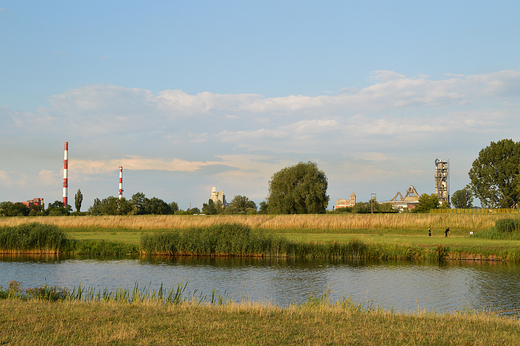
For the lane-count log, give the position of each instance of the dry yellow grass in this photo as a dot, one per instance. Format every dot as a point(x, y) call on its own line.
point(327, 221)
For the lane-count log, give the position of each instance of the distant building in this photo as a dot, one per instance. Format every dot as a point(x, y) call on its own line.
point(442, 177)
point(344, 203)
point(410, 200)
point(217, 197)
point(34, 201)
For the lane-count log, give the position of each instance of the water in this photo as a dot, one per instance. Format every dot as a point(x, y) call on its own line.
point(399, 285)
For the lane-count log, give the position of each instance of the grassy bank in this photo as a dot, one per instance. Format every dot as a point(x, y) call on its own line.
point(466, 222)
point(38, 238)
point(241, 240)
point(317, 322)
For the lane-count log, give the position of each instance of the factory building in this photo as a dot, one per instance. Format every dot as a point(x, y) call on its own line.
point(35, 201)
point(344, 203)
point(218, 197)
point(442, 181)
point(409, 201)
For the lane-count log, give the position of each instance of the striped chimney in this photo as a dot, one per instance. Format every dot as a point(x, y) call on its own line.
point(120, 182)
point(66, 175)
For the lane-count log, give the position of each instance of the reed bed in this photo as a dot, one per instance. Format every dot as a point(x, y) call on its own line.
point(240, 240)
point(32, 237)
point(35, 238)
point(470, 222)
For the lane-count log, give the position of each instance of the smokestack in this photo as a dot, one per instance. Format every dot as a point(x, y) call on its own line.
point(66, 175)
point(120, 182)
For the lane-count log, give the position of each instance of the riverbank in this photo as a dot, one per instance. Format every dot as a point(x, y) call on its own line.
point(66, 323)
point(241, 240)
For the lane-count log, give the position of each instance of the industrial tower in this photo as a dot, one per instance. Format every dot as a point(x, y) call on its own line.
point(442, 181)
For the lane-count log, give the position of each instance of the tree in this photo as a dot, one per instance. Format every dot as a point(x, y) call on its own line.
point(78, 199)
point(426, 202)
point(209, 208)
point(462, 199)
point(57, 208)
point(240, 205)
point(299, 189)
point(174, 207)
point(264, 207)
point(157, 206)
point(140, 202)
point(494, 175)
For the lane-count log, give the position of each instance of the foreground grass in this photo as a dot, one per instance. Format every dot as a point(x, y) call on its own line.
point(78, 323)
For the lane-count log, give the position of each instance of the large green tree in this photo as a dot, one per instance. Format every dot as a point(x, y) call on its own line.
point(462, 198)
point(426, 202)
point(299, 189)
point(494, 175)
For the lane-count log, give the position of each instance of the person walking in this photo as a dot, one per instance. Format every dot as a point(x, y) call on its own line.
point(447, 232)
point(429, 231)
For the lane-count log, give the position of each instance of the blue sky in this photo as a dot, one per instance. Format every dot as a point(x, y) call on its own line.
point(190, 95)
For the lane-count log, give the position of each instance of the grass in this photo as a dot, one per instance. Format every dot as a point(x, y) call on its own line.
point(468, 222)
point(147, 320)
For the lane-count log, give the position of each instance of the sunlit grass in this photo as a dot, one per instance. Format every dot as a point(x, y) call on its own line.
point(466, 222)
point(138, 317)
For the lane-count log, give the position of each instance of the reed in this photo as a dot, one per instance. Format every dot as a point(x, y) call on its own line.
point(407, 221)
point(35, 238)
point(32, 237)
point(240, 240)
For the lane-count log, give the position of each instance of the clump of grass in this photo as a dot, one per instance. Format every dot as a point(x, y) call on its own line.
point(217, 240)
point(42, 238)
point(32, 237)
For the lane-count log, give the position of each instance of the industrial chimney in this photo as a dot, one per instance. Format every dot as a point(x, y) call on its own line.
point(66, 175)
point(120, 182)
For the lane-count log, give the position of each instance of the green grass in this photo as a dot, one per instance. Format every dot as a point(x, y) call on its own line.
point(191, 322)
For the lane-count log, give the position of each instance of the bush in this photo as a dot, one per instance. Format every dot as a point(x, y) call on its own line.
point(507, 225)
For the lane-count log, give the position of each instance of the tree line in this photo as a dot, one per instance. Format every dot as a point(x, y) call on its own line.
point(302, 189)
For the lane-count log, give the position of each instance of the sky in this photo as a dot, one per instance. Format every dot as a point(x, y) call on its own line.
point(190, 95)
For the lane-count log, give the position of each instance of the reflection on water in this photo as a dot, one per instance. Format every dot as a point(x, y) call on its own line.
point(402, 285)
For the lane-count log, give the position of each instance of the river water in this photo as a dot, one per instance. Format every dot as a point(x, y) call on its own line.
point(400, 285)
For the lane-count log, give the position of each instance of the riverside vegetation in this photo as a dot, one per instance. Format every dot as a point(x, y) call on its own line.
point(349, 236)
point(54, 315)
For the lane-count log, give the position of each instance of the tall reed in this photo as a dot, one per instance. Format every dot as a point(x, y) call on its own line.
point(470, 222)
point(32, 237)
point(46, 239)
point(240, 240)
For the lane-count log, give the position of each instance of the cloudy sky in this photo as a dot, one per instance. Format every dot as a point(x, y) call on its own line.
point(187, 95)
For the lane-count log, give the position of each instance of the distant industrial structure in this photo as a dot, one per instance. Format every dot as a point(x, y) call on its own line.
point(344, 203)
point(218, 197)
point(442, 181)
point(409, 201)
point(120, 182)
point(66, 175)
point(35, 201)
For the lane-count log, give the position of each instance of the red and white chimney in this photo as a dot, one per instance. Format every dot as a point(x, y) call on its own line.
point(66, 175)
point(120, 182)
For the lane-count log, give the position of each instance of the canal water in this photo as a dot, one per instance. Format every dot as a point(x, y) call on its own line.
point(400, 285)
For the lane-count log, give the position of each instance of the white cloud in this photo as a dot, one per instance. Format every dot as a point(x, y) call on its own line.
point(49, 178)
point(389, 128)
